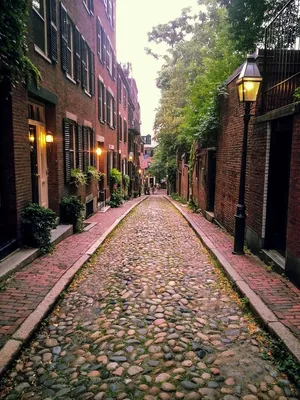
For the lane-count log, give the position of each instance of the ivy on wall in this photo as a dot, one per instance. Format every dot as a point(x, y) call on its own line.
point(15, 66)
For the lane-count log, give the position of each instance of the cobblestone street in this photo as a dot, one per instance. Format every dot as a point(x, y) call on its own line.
point(149, 318)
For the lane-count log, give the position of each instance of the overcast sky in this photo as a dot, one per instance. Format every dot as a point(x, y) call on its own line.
point(135, 18)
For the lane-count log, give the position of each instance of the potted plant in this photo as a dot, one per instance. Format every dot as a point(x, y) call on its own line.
point(94, 174)
point(71, 212)
point(78, 177)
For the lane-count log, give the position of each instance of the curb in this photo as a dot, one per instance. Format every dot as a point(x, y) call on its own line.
point(13, 346)
point(261, 310)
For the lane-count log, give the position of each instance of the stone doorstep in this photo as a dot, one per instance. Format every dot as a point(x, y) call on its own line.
point(272, 257)
point(25, 256)
point(267, 317)
point(104, 209)
point(12, 348)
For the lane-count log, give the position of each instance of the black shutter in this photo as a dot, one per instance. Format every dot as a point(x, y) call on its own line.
point(77, 56)
point(91, 6)
point(103, 48)
point(83, 63)
point(85, 149)
point(115, 159)
point(114, 113)
point(93, 161)
point(99, 100)
point(92, 72)
point(66, 130)
point(64, 38)
point(53, 31)
point(108, 95)
point(79, 144)
point(108, 167)
point(104, 103)
point(98, 38)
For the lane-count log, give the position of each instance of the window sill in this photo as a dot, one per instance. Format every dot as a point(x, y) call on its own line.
point(87, 93)
point(41, 53)
point(71, 79)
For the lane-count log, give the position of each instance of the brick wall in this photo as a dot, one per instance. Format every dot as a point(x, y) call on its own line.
point(199, 180)
point(293, 228)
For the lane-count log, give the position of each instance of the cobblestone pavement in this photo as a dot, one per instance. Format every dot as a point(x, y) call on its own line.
point(149, 318)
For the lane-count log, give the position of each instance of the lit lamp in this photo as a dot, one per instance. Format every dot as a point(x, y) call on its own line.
point(140, 171)
point(131, 156)
point(49, 137)
point(98, 151)
point(31, 137)
point(248, 85)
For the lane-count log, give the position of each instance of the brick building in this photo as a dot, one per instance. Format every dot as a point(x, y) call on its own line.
point(273, 158)
point(52, 130)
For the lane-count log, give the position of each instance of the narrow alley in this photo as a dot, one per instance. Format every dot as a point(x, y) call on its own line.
point(149, 317)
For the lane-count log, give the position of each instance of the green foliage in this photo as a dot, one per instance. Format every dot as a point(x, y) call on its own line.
point(94, 174)
point(178, 198)
point(71, 212)
point(78, 177)
point(115, 177)
point(15, 66)
point(116, 198)
point(126, 181)
point(37, 223)
point(248, 19)
point(135, 194)
point(297, 94)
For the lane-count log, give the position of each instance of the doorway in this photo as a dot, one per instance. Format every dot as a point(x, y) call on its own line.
point(38, 155)
point(278, 184)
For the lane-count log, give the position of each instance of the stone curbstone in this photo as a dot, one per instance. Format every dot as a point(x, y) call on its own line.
point(263, 312)
point(13, 347)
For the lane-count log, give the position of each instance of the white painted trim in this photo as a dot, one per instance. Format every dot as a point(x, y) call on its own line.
point(266, 182)
point(71, 116)
point(100, 138)
point(101, 79)
point(111, 147)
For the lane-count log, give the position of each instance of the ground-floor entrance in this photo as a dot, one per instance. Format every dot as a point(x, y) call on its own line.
point(278, 184)
point(38, 155)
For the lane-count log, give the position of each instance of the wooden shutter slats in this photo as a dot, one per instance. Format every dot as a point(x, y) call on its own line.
point(77, 56)
point(53, 31)
point(64, 38)
point(108, 113)
point(92, 73)
point(85, 149)
point(66, 131)
point(83, 63)
point(79, 143)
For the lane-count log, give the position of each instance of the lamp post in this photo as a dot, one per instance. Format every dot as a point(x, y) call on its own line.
point(248, 85)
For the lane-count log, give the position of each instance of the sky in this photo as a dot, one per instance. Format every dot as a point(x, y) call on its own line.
point(135, 18)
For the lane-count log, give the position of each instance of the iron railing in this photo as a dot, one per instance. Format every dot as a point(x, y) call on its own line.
point(282, 57)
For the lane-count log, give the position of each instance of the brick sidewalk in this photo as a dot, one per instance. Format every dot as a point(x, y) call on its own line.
point(280, 295)
point(25, 290)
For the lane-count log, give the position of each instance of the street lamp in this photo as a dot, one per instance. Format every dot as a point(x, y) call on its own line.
point(248, 85)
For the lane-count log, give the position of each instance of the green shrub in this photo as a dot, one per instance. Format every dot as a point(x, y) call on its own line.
point(135, 194)
point(37, 223)
point(78, 177)
point(71, 212)
point(126, 180)
point(94, 174)
point(116, 198)
point(115, 176)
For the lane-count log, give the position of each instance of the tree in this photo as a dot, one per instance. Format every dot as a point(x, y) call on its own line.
point(248, 19)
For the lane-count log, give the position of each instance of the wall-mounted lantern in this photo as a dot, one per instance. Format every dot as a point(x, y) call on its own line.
point(49, 137)
point(98, 151)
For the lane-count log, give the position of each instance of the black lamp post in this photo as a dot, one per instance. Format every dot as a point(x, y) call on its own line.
point(248, 86)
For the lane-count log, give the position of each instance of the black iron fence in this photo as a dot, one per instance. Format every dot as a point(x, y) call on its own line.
point(282, 57)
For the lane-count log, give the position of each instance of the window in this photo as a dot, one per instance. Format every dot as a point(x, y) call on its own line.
point(87, 68)
point(88, 148)
point(100, 39)
point(110, 110)
point(125, 131)
point(124, 97)
point(119, 90)
point(120, 127)
point(101, 101)
point(40, 24)
point(109, 57)
point(72, 147)
point(70, 48)
point(89, 5)
point(109, 11)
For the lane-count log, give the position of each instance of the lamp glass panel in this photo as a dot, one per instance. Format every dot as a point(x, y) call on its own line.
point(248, 90)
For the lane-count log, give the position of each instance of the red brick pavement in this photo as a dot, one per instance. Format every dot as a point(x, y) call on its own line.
point(25, 289)
point(280, 295)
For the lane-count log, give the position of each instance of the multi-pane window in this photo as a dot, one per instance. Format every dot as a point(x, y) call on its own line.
point(89, 5)
point(40, 24)
point(70, 48)
point(109, 57)
point(119, 90)
point(101, 101)
point(110, 110)
point(86, 67)
point(100, 38)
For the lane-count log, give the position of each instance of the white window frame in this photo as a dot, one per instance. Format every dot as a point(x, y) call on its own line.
point(44, 19)
point(87, 70)
point(111, 99)
point(86, 5)
point(109, 53)
point(71, 74)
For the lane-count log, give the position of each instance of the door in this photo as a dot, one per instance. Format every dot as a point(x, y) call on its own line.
point(38, 157)
point(278, 185)
point(211, 179)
